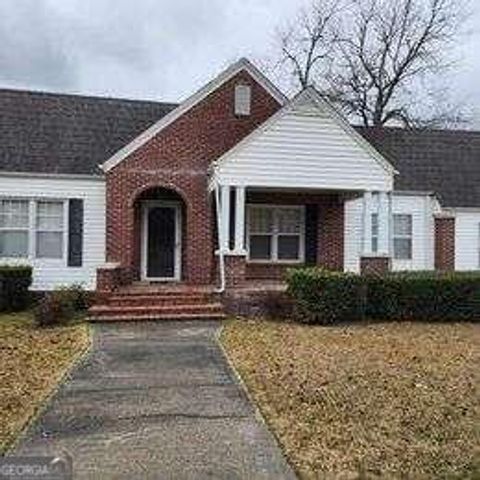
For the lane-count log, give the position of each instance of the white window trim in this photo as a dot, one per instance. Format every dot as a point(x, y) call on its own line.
point(402, 237)
point(274, 258)
point(32, 231)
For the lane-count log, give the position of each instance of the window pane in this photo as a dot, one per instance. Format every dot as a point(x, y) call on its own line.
point(13, 214)
point(402, 248)
point(289, 220)
point(49, 245)
point(375, 224)
point(402, 225)
point(261, 220)
point(374, 244)
point(288, 247)
point(14, 244)
point(50, 215)
point(260, 247)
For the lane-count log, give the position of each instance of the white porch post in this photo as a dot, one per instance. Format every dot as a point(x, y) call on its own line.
point(384, 223)
point(367, 223)
point(240, 220)
point(225, 217)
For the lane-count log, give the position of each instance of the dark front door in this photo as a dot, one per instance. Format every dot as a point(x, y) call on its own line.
point(161, 242)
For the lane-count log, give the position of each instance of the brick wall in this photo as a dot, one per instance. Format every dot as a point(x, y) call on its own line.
point(178, 159)
point(375, 265)
point(445, 243)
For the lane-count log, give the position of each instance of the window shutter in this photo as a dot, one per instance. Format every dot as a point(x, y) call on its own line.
point(75, 232)
point(311, 221)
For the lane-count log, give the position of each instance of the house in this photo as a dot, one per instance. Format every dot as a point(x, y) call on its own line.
point(226, 190)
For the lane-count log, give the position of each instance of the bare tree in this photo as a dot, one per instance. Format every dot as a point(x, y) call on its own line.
point(375, 56)
point(307, 45)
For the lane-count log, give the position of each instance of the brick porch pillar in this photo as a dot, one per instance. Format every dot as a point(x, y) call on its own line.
point(375, 264)
point(235, 270)
point(331, 233)
point(445, 243)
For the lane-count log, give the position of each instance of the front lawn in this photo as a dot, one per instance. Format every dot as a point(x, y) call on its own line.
point(32, 361)
point(382, 399)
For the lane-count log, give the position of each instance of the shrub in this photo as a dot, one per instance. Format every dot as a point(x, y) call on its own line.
point(77, 296)
point(325, 297)
point(14, 284)
point(430, 296)
point(58, 307)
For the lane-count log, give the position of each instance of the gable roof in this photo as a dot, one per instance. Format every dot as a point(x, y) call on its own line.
point(307, 143)
point(242, 64)
point(68, 134)
point(446, 162)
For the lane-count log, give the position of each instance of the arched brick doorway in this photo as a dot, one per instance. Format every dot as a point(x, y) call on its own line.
point(160, 217)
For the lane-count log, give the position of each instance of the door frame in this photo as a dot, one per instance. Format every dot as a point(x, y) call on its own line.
point(146, 207)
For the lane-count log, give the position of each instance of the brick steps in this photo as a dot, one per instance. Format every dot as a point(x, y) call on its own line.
point(144, 318)
point(157, 303)
point(167, 300)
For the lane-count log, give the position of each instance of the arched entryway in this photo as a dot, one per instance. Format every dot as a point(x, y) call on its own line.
point(160, 218)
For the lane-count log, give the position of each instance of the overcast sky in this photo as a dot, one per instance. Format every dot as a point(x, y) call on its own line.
point(154, 49)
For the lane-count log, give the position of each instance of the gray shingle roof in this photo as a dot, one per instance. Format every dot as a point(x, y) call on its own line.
point(446, 162)
point(72, 134)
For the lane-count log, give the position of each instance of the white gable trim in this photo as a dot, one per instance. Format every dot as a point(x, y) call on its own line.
point(242, 64)
point(320, 103)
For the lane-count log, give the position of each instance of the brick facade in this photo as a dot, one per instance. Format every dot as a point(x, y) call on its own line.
point(178, 159)
point(175, 163)
point(235, 271)
point(445, 243)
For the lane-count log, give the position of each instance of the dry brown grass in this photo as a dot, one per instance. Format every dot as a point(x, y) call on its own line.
point(32, 361)
point(387, 399)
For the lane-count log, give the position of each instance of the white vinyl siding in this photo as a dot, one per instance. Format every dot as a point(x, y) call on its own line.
point(50, 273)
point(303, 147)
point(420, 207)
point(275, 233)
point(467, 240)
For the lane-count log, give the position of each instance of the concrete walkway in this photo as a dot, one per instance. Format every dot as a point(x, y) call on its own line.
point(156, 400)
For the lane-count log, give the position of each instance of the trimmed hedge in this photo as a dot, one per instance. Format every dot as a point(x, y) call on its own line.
point(14, 283)
point(429, 296)
point(327, 297)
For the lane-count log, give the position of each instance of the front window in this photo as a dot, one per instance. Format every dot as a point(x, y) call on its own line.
point(14, 228)
point(31, 229)
point(402, 237)
point(49, 234)
point(275, 234)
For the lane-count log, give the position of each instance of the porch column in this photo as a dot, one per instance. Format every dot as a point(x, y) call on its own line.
point(240, 220)
point(383, 223)
point(225, 218)
point(367, 223)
